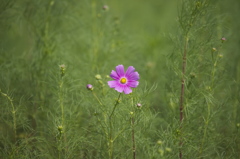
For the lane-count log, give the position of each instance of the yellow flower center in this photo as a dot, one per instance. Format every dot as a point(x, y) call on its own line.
point(123, 80)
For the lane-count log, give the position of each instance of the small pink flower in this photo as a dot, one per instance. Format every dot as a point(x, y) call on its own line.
point(105, 7)
point(223, 39)
point(124, 81)
point(89, 87)
point(139, 105)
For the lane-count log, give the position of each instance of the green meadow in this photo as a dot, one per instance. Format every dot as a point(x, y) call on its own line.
point(57, 58)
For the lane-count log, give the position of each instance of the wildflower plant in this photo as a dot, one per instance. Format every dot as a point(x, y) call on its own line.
point(63, 94)
point(123, 82)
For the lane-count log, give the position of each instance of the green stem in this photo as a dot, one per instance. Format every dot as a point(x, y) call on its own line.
point(133, 132)
point(205, 129)
point(209, 104)
point(110, 142)
point(62, 137)
point(61, 102)
point(13, 115)
point(117, 102)
point(94, 94)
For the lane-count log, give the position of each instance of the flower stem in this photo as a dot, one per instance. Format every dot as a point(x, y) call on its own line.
point(62, 137)
point(117, 102)
point(110, 142)
point(95, 96)
point(133, 133)
point(133, 139)
point(214, 69)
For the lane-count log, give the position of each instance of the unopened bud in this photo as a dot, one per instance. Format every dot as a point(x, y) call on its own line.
point(98, 77)
point(159, 142)
point(223, 39)
point(105, 7)
point(62, 69)
point(192, 75)
point(139, 105)
point(60, 128)
point(89, 87)
point(168, 149)
point(214, 49)
point(238, 125)
point(220, 55)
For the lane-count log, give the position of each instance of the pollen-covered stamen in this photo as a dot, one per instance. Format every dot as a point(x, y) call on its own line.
point(123, 80)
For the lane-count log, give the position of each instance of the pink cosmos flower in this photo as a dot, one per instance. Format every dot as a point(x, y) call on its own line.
point(124, 81)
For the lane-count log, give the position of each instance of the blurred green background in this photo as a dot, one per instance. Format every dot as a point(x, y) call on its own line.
point(39, 35)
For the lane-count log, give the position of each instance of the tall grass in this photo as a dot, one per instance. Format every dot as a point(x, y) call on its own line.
point(187, 102)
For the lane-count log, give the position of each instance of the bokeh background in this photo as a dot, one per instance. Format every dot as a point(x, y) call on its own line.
point(39, 35)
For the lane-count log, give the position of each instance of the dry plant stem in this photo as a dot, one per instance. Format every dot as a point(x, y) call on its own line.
point(13, 115)
point(184, 62)
point(111, 140)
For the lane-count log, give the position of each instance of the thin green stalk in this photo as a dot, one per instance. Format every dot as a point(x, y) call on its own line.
point(205, 129)
point(61, 103)
point(133, 139)
point(61, 128)
point(13, 115)
point(95, 96)
point(133, 133)
point(117, 102)
point(110, 142)
point(209, 104)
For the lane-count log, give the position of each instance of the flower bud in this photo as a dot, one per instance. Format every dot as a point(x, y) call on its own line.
point(98, 77)
point(168, 149)
point(214, 49)
point(89, 87)
point(139, 105)
point(60, 128)
point(105, 7)
point(62, 69)
point(238, 125)
point(159, 142)
point(192, 75)
point(223, 39)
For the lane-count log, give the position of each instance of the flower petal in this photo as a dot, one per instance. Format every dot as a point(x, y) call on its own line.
point(134, 76)
point(129, 70)
point(119, 88)
point(113, 84)
point(132, 84)
point(114, 75)
point(127, 90)
point(120, 70)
